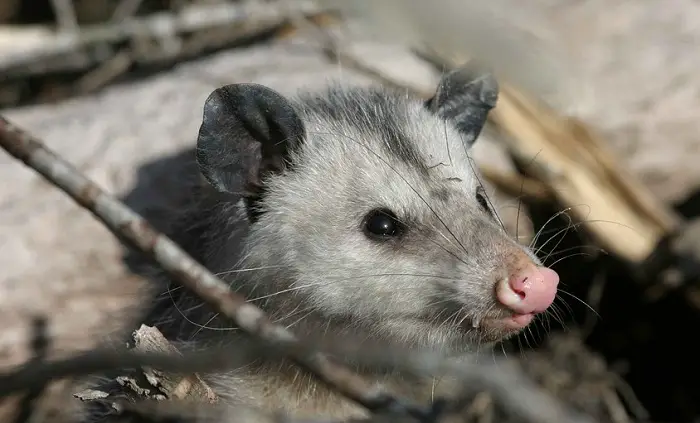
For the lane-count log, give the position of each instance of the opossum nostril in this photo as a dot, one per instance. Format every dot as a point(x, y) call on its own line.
point(518, 290)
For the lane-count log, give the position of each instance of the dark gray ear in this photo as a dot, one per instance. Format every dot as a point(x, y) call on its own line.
point(247, 132)
point(465, 96)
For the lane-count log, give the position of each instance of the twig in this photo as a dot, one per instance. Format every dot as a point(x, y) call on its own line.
point(516, 185)
point(160, 412)
point(65, 15)
point(34, 375)
point(615, 408)
point(150, 339)
point(125, 9)
point(105, 73)
point(191, 19)
point(628, 395)
point(128, 225)
point(503, 380)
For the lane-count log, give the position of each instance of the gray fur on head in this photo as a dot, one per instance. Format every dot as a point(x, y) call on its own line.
point(248, 129)
point(321, 177)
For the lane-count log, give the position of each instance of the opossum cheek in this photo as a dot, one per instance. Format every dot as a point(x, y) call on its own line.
point(529, 291)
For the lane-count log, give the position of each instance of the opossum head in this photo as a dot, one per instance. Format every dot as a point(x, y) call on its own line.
point(369, 205)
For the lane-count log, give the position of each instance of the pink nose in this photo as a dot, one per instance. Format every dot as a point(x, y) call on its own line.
point(532, 290)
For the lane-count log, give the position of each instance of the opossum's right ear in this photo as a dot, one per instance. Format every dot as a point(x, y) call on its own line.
point(247, 132)
point(465, 96)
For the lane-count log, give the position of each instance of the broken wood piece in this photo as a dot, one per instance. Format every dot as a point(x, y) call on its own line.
point(64, 12)
point(149, 339)
point(586, 178)
point(515, 185)
point(189, 20)
point(125, 9)
point(148, 383)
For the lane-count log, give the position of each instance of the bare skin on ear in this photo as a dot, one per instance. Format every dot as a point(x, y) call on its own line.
point(356, 214)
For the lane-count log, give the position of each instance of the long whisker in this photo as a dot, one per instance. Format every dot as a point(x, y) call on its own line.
point(522, 185)
point(250, 269)
point(334, 280)
point(460, 259)
point(565, 305)
point(573, 225)
point(559, 231)
point(569, 256)
point(581, 301)
point(550, 220)
point(478, 179)
point(236, 271)
point(595, 248)
point(292, 289)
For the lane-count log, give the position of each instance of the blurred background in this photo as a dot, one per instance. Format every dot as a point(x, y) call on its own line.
point(592, 155)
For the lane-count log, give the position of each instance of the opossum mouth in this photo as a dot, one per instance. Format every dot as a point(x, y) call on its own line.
point(494, 328)
point(514, 322)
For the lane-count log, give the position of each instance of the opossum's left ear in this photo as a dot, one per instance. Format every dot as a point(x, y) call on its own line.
point(465, 96)
point(247, 133)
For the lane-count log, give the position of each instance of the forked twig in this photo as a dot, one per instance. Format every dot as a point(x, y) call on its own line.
point(128, 225)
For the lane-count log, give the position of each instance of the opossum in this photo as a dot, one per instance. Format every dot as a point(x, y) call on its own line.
point(350, 214)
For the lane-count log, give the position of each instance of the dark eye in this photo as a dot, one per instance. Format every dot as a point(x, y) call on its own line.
point(483, 202)
point(382, 224)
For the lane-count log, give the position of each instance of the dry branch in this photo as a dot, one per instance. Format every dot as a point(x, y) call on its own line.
point(129, 226)
point(149, 339)
point(78, 50)
point(516, 185)
point(65, 15)
point(125, 9)
point(619, 211)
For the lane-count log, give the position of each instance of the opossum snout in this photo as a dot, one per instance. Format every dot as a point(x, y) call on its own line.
point(529, 290)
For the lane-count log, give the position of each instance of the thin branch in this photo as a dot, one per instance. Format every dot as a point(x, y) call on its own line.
point(125, 9)
point(194, 18)
point(34, 375)
point(128, 225)
point(503, 379)
point(516, 185)
point(65, 15)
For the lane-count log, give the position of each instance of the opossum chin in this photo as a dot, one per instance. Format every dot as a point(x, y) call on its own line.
point(498, 329)
point(498, 324)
